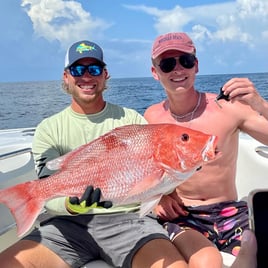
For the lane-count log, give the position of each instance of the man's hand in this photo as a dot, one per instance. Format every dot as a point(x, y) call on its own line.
point(242, 89)
point(170, 207)
point(89, 200)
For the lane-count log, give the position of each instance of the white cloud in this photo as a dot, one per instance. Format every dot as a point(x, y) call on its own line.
point(253, 8)
point(64, 21)
point(166, 20)
point(239, 21)
point(171, 21)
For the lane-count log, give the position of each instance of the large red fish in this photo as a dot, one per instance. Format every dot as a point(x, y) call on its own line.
point(130, 164)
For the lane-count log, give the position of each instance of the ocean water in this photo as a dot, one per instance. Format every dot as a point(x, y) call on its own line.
point(25, 104)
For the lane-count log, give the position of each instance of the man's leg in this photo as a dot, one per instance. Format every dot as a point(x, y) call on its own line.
point(197, 250)
point(158, 253)
point(30, 254)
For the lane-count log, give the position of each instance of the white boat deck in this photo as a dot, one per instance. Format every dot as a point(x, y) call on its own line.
point(16, 166)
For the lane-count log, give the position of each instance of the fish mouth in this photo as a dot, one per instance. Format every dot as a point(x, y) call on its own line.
point(210, 151)
point(198, 168)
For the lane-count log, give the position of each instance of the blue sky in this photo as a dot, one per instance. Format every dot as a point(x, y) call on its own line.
point(230, 36)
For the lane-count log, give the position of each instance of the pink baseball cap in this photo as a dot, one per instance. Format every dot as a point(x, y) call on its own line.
point(172, 41)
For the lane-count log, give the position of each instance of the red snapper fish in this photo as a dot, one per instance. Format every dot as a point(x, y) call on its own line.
point(130, 164)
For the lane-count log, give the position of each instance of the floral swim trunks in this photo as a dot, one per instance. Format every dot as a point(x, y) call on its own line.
point(222, 223)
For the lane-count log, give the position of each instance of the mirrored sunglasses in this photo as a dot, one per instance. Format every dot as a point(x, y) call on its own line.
point(79, 70)
point(186, 61)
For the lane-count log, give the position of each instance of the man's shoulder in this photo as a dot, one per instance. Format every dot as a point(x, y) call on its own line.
point(157, 108)
point(122, 109)
point(126, 115)
point(119, 107)
point(55, 117)
point(158, 105)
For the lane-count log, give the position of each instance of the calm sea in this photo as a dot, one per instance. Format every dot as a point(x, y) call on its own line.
point(25, 104)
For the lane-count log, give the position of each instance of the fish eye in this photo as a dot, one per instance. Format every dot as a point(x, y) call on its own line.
point(184, 137)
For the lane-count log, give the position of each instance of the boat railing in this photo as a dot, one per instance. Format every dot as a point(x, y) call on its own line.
point(262, 151)
point(15, 153)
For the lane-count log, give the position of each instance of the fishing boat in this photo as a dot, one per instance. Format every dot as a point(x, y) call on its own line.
point(17, 166)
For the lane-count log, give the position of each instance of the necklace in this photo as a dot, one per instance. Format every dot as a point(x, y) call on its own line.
point(179, 117)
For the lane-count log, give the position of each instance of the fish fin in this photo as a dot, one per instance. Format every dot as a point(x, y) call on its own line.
point(178, 175)
point(148, 206)
point(24, 207)
point(56, 163)
point(147, 183)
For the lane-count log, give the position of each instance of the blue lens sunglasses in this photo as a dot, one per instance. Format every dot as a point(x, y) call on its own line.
point(79, 70)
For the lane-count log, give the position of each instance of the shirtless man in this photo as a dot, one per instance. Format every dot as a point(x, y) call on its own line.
point(212, 190)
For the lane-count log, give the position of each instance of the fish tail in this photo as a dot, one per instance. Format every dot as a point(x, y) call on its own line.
point(24, 206)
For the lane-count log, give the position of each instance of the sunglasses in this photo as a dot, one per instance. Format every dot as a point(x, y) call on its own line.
point(79, 70)
point(186, 61)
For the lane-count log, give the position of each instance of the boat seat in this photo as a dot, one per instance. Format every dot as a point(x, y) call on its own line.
point(252, 166)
